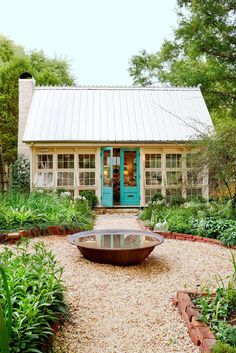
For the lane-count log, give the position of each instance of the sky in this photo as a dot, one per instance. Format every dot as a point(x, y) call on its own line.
point(98, 37)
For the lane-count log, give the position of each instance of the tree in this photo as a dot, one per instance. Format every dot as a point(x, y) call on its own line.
point(13, 62)
point(217, 152)
point(203, 51)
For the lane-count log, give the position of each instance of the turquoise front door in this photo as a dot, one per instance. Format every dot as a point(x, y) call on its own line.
point(107, 176)
point(129, 177)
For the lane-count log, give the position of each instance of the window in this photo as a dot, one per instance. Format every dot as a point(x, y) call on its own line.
point(191, 160)
point(152, 160)
point(174, 178)
point(45, 161)
point(153, 178)
point(65, 161)
point(65, 179)
point(173, 161)
point(153, 175)
point(172, 192)
point(86, 161)
point(193, 192)
point(43, 179)
point(194, 178)
point(87, 178)
point(149, 193)
point(87, 171)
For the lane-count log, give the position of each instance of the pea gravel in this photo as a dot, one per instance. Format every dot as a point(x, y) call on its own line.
point(128, 309)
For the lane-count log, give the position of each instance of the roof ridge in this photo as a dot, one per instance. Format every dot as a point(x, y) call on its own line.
point(151, 88)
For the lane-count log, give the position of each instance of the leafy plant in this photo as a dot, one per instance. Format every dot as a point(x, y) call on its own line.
point(177, 200)
point(21, 174)
point(217, 309)
point(157, 197)
point(36, 209)
point(91, 197)
point(5, 329)
point(220, 347)
point(37, 292)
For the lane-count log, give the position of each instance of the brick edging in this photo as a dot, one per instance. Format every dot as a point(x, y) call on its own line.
point(51, 230)
point(199, 332)
point(183, 236)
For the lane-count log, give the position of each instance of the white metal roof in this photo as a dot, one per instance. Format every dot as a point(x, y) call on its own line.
point(116, 114)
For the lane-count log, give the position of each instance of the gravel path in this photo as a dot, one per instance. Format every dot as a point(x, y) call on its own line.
point(128, 310)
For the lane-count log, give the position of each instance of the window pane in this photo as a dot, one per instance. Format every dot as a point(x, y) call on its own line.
point(107, 168)
point(153, 178)
point(130, 168)
point(43, 179)
point(152, 160)
point(149, 194)
point(86, 161)
point(65, 178)
point(172, 192)
point(87, 178)
point(174, 178)
point(193, 192)
point(194, 178)
point(65, 161)
point(191, 160)
point(45, 161)
point(173, 161)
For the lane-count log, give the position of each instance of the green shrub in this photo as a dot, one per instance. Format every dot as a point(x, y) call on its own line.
point(228, 237)
point(42, 209)
point(217, 310)
point(220, 347)
point(157, 197)
point(21, 174)
point(91, 197)
point(177, 200)
point(37, 292)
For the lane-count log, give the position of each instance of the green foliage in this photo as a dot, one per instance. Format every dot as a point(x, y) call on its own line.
point(13, 62)
point(218, 309)
point(157, 197)
point(217, 152)
point(212, 220)
point(91, 197)
point(21, 174)
point(177, 200)
point(37, 292)
point(202, 52)
point(42, 209)
point(220, 347)
point(5, 324)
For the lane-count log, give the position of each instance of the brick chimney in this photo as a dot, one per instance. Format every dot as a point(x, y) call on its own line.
point(26, 90)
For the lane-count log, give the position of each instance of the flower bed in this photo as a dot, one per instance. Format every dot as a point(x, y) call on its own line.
point(40, 212)
point(37, 296)
point(211, 316)
point(207, 220)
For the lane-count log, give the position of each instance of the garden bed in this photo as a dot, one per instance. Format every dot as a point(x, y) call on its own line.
point(199, 332)
point(31, 298)
point(210, 315)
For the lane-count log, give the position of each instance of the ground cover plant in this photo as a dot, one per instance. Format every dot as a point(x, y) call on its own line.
point(213, 219)
point(42, 209)
point(37, 295)
point(218, 310)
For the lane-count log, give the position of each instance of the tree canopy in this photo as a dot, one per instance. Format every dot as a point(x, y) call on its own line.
point(203, 51)
point(13, 62)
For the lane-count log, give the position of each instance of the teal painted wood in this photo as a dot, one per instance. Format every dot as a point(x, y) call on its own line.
point(129, 195)
point(107, 191)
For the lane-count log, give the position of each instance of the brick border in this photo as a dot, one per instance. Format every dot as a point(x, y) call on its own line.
point(183, 236)
point(34, 232)
point(199, 332)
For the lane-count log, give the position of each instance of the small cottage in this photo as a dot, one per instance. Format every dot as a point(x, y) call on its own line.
point(124, 143)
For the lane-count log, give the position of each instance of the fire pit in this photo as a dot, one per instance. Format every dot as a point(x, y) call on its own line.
point(117, 247)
